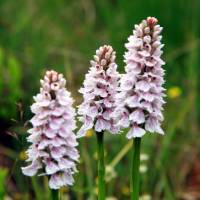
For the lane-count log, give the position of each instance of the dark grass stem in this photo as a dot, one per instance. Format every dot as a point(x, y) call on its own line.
point(135, 180)
point(55, 194)
point(101, 166)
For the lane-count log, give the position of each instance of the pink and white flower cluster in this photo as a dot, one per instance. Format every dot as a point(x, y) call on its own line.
point(99, 91)
point(140, 100)
point(53, 150)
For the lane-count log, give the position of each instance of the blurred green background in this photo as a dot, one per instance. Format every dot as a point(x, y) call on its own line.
point(63, 35)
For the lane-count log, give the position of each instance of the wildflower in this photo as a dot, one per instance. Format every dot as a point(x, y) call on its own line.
point(110, 173)
point(53, 150)
point(144, 157)
point(125, 190)
point(111, 198)
point(143, 168)
point(99, 91)
point(22, 155)
point(145, 197)
point(174, 92)
point(140, 100)
point(89, 133)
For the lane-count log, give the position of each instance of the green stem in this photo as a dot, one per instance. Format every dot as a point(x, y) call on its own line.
point(101, 166)
point(37, 189)
point(55, 194)
point(135, 169)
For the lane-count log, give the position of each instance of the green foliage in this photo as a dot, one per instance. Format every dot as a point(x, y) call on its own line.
point(10, 84)
point(63, 35)
point(3, 175)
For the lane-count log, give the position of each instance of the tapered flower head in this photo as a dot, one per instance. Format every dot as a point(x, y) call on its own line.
point(53, 144)
point(99, 91)
point(140, 100)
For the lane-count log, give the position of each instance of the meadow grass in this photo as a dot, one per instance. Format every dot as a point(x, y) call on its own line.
point(63, 35)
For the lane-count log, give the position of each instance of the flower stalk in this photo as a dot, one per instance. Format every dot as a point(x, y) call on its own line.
point(99, 92)
point(135, 179)
point(55, 194)
point(101, 166)
point(141, 93)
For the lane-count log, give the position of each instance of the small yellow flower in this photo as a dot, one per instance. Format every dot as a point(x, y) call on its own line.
point(125, 190)
point(64, 189)
point(96, 190)
point(174, 92)
point(89, 133)
point(23, 155)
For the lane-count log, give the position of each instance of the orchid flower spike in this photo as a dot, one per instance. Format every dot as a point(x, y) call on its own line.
point(53, 144)
point(140, 100)
point(99, 91)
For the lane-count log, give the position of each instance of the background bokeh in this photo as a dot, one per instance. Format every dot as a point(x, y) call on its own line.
point(63, 35)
